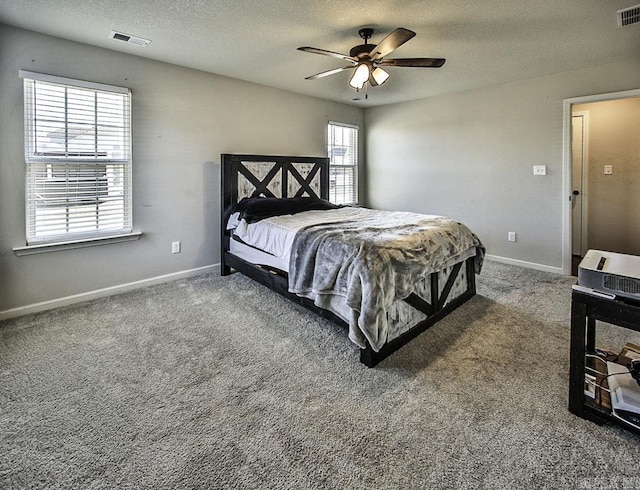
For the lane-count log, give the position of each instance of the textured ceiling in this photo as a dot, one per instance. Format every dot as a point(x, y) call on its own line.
point(485, 41)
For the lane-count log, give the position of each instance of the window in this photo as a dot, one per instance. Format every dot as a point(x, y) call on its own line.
point(343, 163)
point(78, 159)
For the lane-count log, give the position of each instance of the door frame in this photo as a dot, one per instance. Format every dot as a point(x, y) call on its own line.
point(567, 105)
point(584, 196)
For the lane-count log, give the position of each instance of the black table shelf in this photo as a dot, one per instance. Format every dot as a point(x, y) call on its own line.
point(585, 310)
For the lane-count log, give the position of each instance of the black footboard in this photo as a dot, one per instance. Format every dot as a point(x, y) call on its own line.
point(435, 308)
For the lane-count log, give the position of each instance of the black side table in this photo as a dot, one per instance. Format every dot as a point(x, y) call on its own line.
point(586, 308)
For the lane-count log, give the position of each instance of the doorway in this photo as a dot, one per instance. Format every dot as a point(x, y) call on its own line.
point(602, 175)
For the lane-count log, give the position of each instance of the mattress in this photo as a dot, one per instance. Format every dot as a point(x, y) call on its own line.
point(256, 256)
point(269, 241)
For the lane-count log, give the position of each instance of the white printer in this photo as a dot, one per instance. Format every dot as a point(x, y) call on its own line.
point(610, 272)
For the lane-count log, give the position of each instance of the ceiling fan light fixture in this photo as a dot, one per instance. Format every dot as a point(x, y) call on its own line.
point(360, 76)
point(368, 58)
point(379, 75)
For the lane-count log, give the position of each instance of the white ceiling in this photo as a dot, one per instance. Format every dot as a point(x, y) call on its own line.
point(485, 41)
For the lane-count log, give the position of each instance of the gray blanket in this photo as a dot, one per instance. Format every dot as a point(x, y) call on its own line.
point(358, 268)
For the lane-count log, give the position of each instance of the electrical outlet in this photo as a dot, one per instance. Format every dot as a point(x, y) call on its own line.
point(175, 247)
point(608, 169)
point(539, 170)
point(511, 236)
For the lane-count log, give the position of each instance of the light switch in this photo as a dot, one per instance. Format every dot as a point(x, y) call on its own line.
point(608, 169)
point(539, 170)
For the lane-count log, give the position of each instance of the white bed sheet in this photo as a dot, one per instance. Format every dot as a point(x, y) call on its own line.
point(275, 235)
point(255, 256)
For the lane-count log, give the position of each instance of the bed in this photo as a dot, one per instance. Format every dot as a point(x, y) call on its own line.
point(385, 276)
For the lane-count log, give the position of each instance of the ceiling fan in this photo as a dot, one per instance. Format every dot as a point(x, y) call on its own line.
point(368, 59)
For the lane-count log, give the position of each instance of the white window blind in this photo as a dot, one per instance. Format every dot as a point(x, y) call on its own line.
point(343, 163)
point(78, 159)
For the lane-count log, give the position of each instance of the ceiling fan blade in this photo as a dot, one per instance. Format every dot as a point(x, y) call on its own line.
point(329, 72)
point(308, 49)
point(413, 62)
point(393, 41)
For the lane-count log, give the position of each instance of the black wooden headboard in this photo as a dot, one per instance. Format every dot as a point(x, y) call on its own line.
point(269, 176)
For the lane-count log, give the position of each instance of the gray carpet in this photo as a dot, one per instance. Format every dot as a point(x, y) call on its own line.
point(218, 382)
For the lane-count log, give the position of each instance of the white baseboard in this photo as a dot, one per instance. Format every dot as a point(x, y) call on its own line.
point(110, 291)
point(215, 268)
point(523, 263)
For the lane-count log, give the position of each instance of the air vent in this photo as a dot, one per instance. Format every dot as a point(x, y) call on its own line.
point(138, 41)
point(623, 284)
point(629, 16)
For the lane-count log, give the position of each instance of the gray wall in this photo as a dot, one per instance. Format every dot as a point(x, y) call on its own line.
point(470, 156)
point(182, 121)
point(613, 200)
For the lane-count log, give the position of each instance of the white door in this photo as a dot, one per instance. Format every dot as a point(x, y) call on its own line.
point(578, 189)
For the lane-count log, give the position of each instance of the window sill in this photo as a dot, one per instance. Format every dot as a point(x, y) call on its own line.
point(70, 245)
